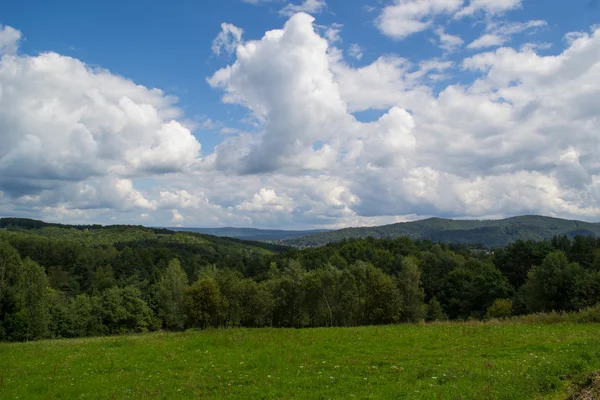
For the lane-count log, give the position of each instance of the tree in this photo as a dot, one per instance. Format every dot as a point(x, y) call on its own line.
point(411, 290)
point(104, 278)
point(470, 290)
point(288, 295)
point(10, 264)
point(435, 311)
point(500, 308)
point(35, 300)
point(201, 303)
point(383, 302)
point(123, 310)
point(551, 286)
point(171, 289)
point(516, 259)
point(256, 304)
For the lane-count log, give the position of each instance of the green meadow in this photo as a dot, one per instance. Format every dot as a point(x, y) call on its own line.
point(426, 361)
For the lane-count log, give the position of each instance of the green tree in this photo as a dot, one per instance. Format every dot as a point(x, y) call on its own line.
point(551, 286)
point(35, 292)
point(10, 275)
point(171, 289)
point(202, 302)
point(470, 290)
point(411, 290)
point(383, 301)
point(104, 278)
point(256, 304)
point(288, 295)
point(123, 310)
point(500, 308)
point(435, 311)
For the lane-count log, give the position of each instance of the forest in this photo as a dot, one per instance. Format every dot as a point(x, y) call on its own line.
point(60, 281)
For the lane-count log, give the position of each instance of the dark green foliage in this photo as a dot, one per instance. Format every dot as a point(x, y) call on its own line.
point(202, 303)
point(75, 281)
point(500, 308)
point(122, 310)
point(412, 293)
point(551, 285)
point(496, 233)
point(170, 290)
point(434, 311)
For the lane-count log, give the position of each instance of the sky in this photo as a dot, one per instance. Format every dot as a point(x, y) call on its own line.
point(297, 115)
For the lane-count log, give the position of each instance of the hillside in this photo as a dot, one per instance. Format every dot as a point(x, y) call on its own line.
point(253, 234)
point(132, 235)
point(496, 233)
point(433, 361)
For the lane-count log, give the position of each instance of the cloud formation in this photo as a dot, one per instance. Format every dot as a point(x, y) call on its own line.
point(521, 136)
point(228, 39)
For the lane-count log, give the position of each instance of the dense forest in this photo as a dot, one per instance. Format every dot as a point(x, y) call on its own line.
point(491, 233)
point(60, 281)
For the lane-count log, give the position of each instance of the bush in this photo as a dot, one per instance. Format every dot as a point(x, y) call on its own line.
point(500, 308)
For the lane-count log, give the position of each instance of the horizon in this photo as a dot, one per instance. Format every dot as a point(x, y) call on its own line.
point(171, 227)
point(299, 114)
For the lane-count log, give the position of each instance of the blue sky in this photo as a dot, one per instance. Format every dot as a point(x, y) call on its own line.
point(248, 149)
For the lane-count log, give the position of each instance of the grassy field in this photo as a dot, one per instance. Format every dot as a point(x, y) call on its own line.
point(439, 361)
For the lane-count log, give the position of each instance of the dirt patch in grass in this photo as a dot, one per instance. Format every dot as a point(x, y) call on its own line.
point(588, 389)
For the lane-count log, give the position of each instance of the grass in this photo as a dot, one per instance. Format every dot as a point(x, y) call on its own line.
point(435, 361)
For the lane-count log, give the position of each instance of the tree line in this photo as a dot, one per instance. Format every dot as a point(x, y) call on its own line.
point(56, 288)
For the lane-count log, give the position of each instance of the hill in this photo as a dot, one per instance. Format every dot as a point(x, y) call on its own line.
point(132, 235)
point(492, 233)
point(253, 234)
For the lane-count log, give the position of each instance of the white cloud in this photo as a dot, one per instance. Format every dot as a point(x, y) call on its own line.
point(307, 6)
point(448, 42)
point(487, 40)
point(332, 33)
point(62, 122)
point(453, 154)
point(176, 216)
point(355, 51)
point(490, 7)
point(500, 33)
point(406, 17)
point(228, 39)
point(9, 40)
point(522, 136)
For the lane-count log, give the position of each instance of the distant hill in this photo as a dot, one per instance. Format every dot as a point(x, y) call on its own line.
point(496, 233)
point(128, 234)
point(260, 235)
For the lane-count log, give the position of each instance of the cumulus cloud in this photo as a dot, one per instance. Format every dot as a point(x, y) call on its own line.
point(307, 6)
point(66, 127)
point(454, 153)
point(405, 17)
point(9, 40)
point(521, 136)
point(228, 39)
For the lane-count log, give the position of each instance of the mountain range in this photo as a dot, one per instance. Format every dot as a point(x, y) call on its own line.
point(489, 233)
point(492, 233)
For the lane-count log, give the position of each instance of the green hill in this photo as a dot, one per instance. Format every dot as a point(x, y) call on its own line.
point(496, 233)
point(132, 235)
